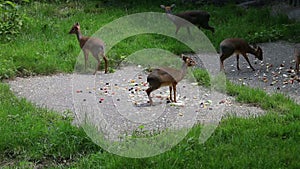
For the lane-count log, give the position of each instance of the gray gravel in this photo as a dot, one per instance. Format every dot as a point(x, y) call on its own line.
point(274, 75)
point(117, 104)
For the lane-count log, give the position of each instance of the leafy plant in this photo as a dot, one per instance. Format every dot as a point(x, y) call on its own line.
point(11, 21)
point(7, 68)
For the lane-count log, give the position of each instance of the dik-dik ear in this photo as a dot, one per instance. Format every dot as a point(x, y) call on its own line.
point(162, 6)
point(183, 57)
point(254, 46)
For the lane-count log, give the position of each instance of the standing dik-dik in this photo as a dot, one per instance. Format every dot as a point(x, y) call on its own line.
point(198, 18)
point(167, 77)
point(238, 46)
point(297, 57)
point(88, 44)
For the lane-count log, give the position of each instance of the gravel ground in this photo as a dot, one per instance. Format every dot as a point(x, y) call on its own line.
point(116, 103)
point(274, 74)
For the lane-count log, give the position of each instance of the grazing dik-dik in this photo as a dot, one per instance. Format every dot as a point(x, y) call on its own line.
point(197, 17)
point(297, 57)
point(238, 46)
point(89, 44)
point(168, 77)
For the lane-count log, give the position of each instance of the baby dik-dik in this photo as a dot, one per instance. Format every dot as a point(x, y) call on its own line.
point(297, 57)
point(238, 46)
point(168, 77)
point(88, 44)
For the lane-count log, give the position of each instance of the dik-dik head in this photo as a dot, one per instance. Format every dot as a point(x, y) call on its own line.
point(259, 52)
point(189, 61)
point(168, 9)
point(75, 28)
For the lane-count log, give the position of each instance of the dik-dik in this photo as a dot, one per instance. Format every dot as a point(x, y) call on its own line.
point(168, 77)
point(88, 44)
point(238, 46)
point(198, 18)
point(297, 57)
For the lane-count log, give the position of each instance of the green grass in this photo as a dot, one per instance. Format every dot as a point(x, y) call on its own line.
point(33, 137)
point(44, 38)
point(37, 135)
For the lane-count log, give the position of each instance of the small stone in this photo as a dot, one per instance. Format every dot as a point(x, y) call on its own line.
point(90, 92)
point(84, 100)
point(273, 82)
point(106, 83)
point(118, 99)
point(132, 81)
point(222, 101)
point(180, 114)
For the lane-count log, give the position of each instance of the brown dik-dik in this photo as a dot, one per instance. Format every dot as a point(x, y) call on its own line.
point(297, 57)
point(88, 44)
point(167, 77)
point(238, 46)
point(198, 18)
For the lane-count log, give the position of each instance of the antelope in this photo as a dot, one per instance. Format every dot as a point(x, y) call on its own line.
point(89, 44)
point(198, 18)
point(297, 57)
point(238, 46)
point(167, 76)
